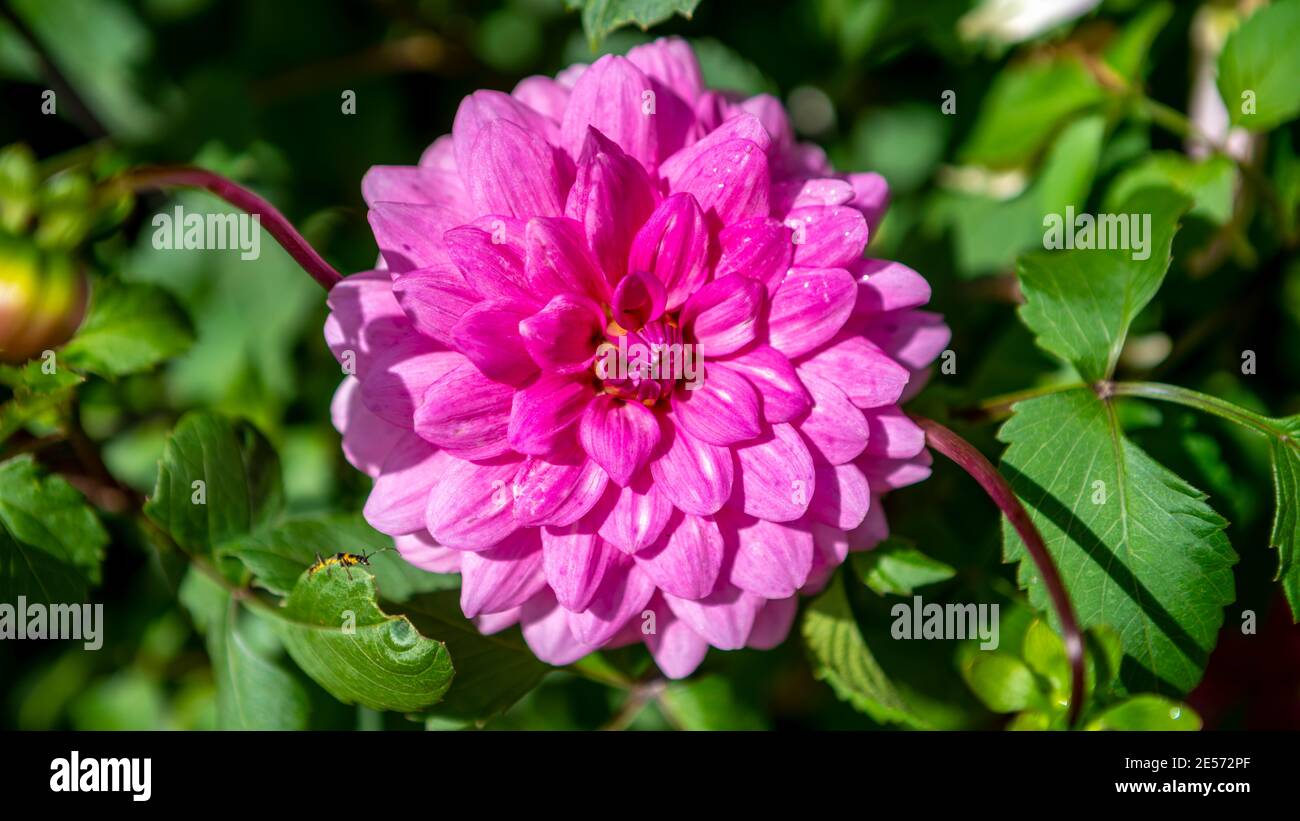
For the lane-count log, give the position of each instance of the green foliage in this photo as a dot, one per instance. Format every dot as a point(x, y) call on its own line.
point(1259, 64)
point(897, 567)
point(1080, 303)
point(218, 480)
point(334, 630)
point(130, 328)
point(51, 543)
point(600, 17)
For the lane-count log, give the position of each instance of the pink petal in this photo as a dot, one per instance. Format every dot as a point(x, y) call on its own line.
point(835, 428)
point(367, 439)
point(623, 595)
point(434, 299)
point(563, 336)
point(483, 107)
point(544, 410)
point(870, 196)
point(638, 515)
point(502, 577)
point(612, 95)
point(674, 246)
point(490, 265)
point(558, 261)
point(783, 395)
point(618, 435)
point(416, 185)
point(771, 114)
point(421, 550)
point(575, 559)
point(364, 316)
point(543, 95)
point(397, 501)
point(410, 236)
point(773, 623)
point(866, 374)
point(466, 413)
point(809, 307)
point(488, 334)
point(722, 411)
point(843, 496)
point(888, 286)
point(687, 558)
point(397, 380)
point(832, 547)
point(470, 506)
point(791, 194)
point(891, 474)
point(695, 475)
point(776, 476)
point(638, 300)
point(677, 649)
point(893, 434)
point(724, 618)
point(557, 492)
point(730, 182)
point(742, 126)
point(611, 198)
point(671, 61)
point(833, 237)
point(546, 630)
point(772, 560)
point(514, 173)
point(761, 249)
point(722, 316)
point(913, 338)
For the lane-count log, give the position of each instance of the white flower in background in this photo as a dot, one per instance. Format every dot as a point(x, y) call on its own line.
point(1014, 21)
point(1210, 29)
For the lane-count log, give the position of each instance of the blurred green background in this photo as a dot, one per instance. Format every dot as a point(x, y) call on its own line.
point(253, 89)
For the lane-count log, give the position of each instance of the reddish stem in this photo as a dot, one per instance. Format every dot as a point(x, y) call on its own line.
point(982, 471)
point(276, 223)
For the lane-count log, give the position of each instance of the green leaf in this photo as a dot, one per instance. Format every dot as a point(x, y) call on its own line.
point(1003, 682)
point(990, 232)
point(1208, 183)
point(843, 660)
point(253, 691)
point(51, 542)
point(1138, 548)
point(1146, 712)
point(1025, 107)
point(895, 566)
point(130, 328)
point(240, 486)
point(709, 703)
point(600, 17)
point(35, 393)
point(333, 628)
point(277, 555)
point(1128, 53)
point(492, 672)
point(1260, 59)
point(1285, 536)
point(1080, 303)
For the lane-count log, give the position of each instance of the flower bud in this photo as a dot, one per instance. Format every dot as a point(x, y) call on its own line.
point(42, 300)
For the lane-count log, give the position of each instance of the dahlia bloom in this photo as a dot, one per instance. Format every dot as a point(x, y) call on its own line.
point(624, 202)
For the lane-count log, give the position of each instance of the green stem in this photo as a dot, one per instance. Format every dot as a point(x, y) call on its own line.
point(1193, 399)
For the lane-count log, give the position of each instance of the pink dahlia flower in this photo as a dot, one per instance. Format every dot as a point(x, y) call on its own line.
point(623, 204)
